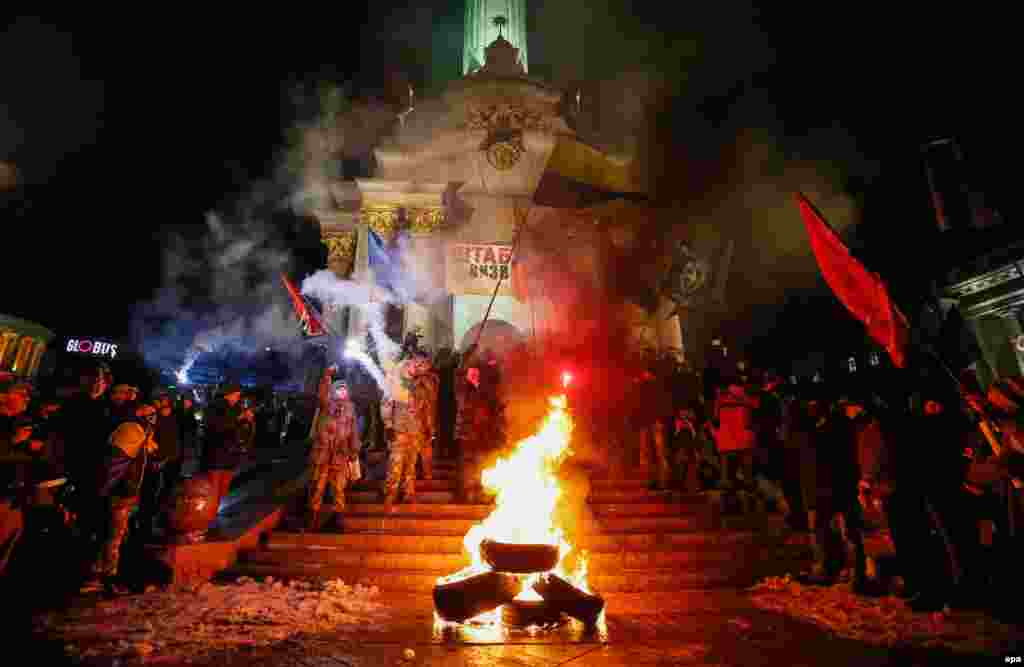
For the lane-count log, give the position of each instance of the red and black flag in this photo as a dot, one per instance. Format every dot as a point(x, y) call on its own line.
point(312, 324)
point(861, 291)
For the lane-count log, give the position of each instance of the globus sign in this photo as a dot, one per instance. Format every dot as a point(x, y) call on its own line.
point(97, 347)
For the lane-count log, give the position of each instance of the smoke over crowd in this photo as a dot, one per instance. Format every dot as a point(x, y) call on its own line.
point(711, 142)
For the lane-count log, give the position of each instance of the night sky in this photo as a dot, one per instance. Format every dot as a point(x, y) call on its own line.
point(124, 125)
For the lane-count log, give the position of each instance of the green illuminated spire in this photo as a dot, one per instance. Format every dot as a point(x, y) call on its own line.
point(485, 21)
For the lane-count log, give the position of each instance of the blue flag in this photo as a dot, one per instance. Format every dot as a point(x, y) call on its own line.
point(384, 262)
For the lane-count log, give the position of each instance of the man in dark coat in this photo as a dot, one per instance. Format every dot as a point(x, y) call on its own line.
point(185, 415)
point(837, 479)
point(123, 474)
point(86, 422)
point(164, 466)
point(479, 429)
point(227, 433)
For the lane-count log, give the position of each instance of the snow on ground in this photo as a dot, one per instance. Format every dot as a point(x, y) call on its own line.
point(886, 621)
point(198, 621)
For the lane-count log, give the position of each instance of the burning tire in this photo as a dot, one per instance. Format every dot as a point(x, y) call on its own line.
point(564, 597)
point(524, 613)
point(461, 600)
point(519, 558)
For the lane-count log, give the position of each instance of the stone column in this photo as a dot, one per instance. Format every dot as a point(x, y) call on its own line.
point(20, 365)
point(37, 357)
point(382, 219)
point(341, 250)
point(357, 323)
point(425, 223)
point(6, 346)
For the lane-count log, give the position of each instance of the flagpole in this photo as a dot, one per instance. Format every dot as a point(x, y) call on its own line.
point(497, 286)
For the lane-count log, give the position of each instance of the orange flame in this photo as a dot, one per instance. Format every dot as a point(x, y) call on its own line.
point(526, 492)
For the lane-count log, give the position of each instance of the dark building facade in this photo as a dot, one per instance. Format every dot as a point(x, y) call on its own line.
point(982, 275)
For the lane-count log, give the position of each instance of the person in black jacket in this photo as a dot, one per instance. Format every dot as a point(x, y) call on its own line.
point(228, 426)
point(164, 466)
point(837, 484)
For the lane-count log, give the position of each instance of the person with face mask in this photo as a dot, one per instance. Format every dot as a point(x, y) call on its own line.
point(334, 459)
point(425, 391)
point(399, 418)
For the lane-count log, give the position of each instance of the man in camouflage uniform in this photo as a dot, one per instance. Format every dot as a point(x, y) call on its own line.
point(398, 415)
point(335, 447)
point(425, 392)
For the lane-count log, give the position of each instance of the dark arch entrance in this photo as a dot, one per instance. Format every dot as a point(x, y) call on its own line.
point(499, 336)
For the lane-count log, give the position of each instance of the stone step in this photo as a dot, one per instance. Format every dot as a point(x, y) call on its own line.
point(434, 505)
point(422, 497)
point(366, 494)
point(602, 496)
point(441, 564)
point(453, 544)
point(400, 522)
point(429, 510)
point(416, 581)
point(646, 509)
point(421, 485)
point(620, 483)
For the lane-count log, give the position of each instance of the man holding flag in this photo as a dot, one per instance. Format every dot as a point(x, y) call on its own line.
point(914, 504)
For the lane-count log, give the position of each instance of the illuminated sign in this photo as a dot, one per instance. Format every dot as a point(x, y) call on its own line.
point(97, 347)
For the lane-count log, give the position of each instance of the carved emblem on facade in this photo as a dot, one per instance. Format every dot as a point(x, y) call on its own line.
point(341, 252)
point(686, 278)
point(499, 117)
point(503, 154)
point(382, 219)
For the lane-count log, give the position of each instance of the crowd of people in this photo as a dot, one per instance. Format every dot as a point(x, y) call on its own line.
point(941, 470)
point(98, 460)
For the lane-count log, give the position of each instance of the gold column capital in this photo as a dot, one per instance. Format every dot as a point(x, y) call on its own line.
point(381, 219)
point(341, 251)
point(425, 220)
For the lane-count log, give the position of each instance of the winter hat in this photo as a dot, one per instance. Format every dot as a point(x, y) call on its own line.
point(129, 437)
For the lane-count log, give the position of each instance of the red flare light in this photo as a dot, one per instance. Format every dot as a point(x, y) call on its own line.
point(566, 379)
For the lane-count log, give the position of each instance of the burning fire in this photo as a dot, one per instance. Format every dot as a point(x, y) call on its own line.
point(527, 492)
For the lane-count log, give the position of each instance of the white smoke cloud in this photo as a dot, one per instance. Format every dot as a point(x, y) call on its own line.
point(236, 268)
